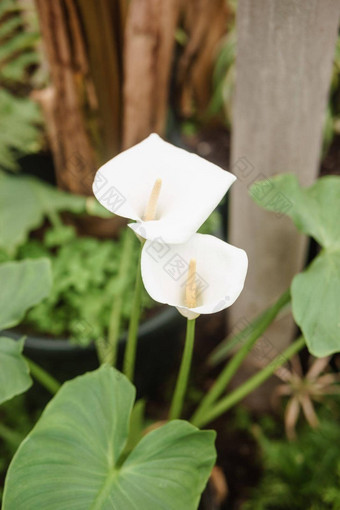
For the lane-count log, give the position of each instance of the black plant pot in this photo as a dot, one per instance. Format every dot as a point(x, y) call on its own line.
point(158, 347)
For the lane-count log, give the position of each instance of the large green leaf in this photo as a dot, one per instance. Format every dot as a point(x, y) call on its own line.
point(72, 459)
point(315, 292)
point(14, 372)
point(23, 284)
point(316, 303)
point(26, 201)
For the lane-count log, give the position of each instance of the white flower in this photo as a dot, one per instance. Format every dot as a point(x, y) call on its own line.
point(203, 275)
point(168, 191)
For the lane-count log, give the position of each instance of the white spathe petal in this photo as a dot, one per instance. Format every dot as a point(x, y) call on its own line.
point(191, 188)
point(221, 271)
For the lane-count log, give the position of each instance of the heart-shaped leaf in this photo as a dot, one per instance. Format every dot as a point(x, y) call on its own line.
point(315, 292)
point(73, 458)
point(26, 201)
point(14, 372)
point(23, 284)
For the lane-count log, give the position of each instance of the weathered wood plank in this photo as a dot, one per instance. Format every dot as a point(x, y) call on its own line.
point(284, 59)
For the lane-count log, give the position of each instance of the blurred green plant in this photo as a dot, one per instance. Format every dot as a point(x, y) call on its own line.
point(85, 284)
point(20, 117)
point(302, 474)
point(19, 131)
point(332, 120)
point(18, 44)
point(224, 79)
point(224, 72)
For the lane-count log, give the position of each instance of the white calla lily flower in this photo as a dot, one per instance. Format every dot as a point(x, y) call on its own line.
point(202, 276)
point(168, 191)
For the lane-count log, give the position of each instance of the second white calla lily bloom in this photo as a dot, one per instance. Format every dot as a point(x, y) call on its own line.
point(202, 276)
point(168, 191)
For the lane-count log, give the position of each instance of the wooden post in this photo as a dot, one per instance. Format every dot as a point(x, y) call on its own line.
point(285, 50)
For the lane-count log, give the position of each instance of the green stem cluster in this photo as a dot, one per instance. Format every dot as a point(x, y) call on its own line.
point(250, 385)
point(249, 336)
point(116, 312)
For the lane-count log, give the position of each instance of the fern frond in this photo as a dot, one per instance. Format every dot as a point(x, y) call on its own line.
point(19, 129)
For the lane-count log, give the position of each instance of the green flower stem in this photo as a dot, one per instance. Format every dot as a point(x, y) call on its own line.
point(242, 391)
point(116, 313)
point(131, 345)
point(259, 327)
point(183, 376)
point(45, 379)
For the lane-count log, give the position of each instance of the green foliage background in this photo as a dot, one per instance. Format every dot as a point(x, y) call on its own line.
point(20, 116)
point(302, 474)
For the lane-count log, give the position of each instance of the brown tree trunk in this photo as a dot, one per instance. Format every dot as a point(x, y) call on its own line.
point(82, 106)
point(71, 91)
point(149, 44)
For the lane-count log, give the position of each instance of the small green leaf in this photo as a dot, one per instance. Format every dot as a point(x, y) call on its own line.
point(316, 304)
point(72, 457)
point(14, 372)
point(23, 284)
